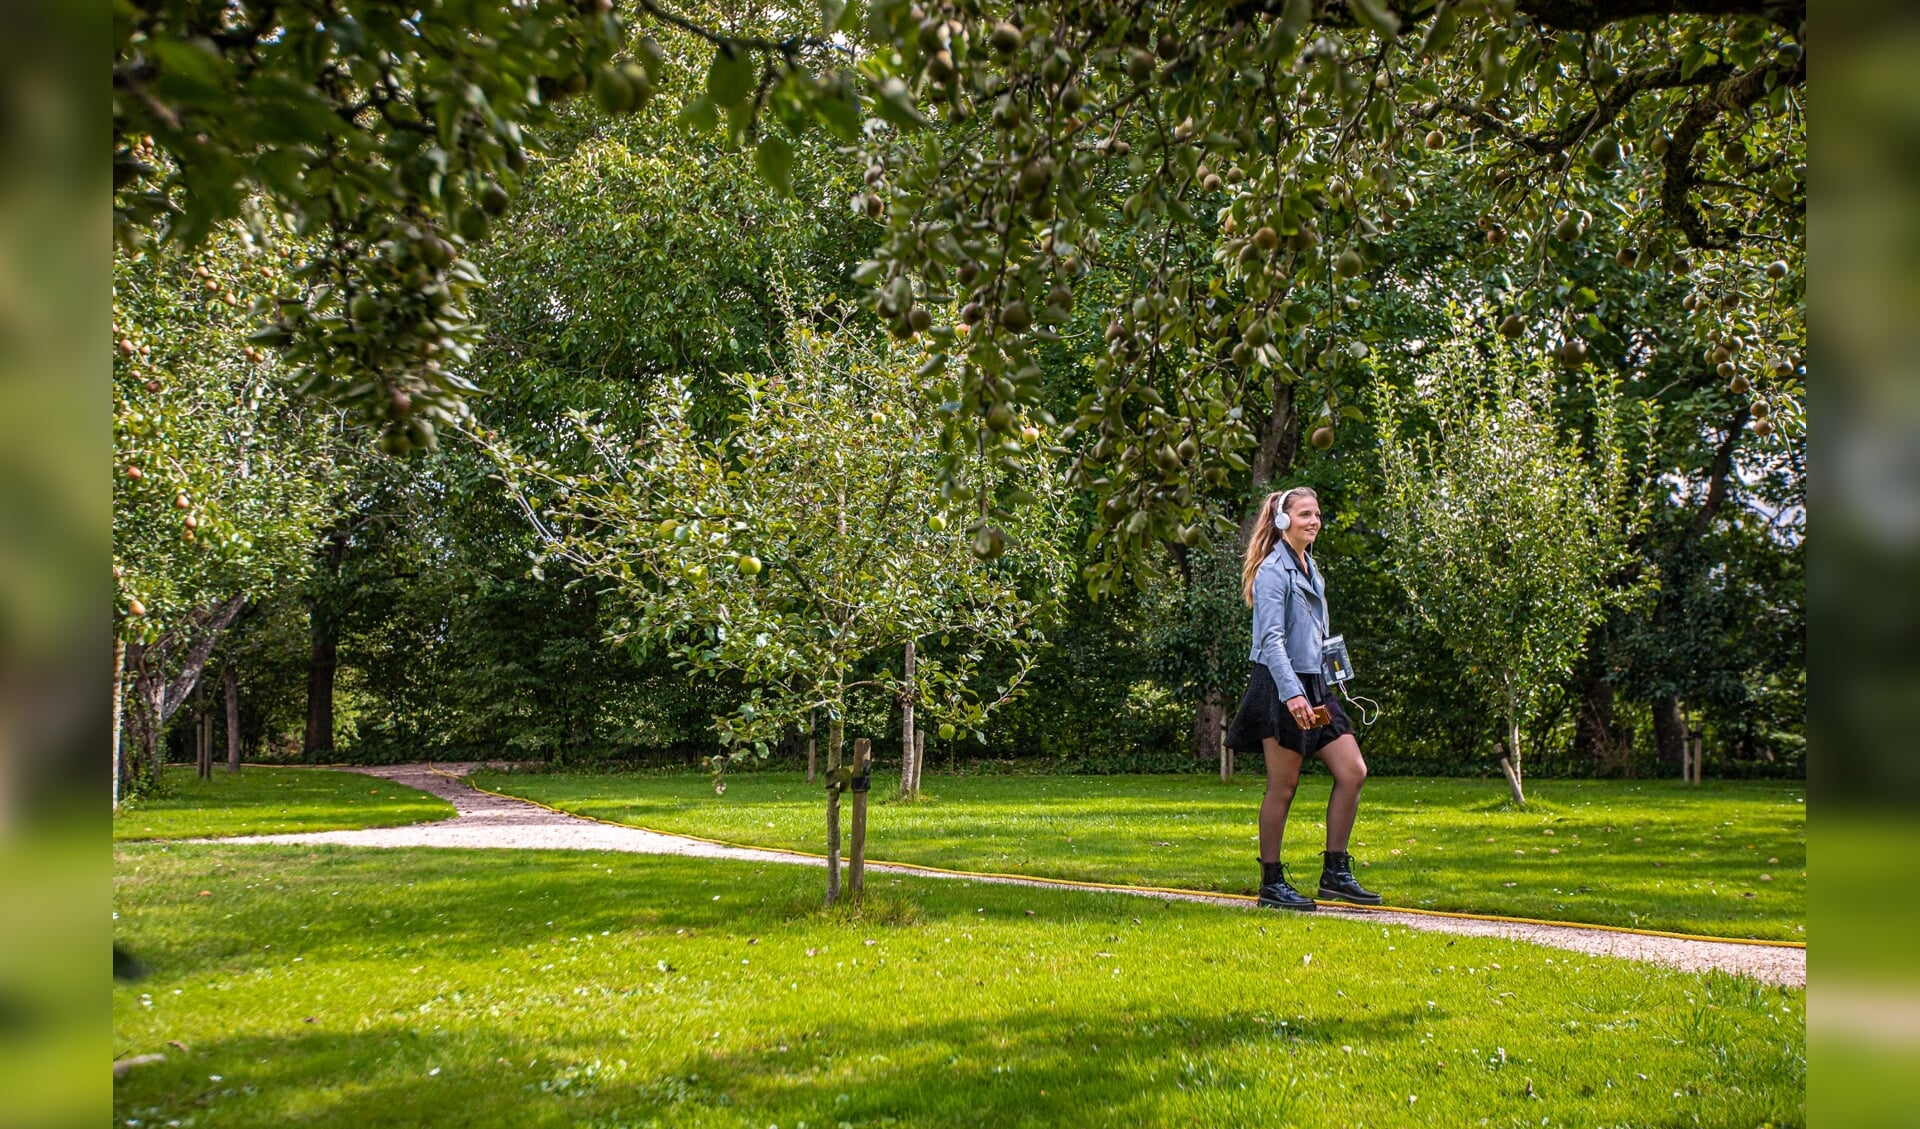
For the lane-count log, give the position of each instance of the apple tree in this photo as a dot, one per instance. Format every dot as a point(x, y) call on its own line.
point(1505, 529)
point(221, 476)
point(1242, 159)
point(807, 544)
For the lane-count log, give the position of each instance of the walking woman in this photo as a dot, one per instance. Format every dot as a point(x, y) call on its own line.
point(1286, 712)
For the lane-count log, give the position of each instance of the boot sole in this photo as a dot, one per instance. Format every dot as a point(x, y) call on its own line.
point(1307, 908)
point(1337, 896)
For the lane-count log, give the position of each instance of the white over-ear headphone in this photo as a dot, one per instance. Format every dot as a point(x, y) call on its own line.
point(1282, 520)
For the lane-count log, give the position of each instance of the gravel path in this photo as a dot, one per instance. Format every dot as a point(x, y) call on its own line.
point(485, 821)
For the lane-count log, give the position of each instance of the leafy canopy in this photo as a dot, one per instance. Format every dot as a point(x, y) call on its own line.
point(801, 544)
point(1505, 531)
point(1244, 158)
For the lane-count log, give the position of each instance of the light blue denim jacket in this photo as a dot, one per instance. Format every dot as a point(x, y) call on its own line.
point(1289, 619)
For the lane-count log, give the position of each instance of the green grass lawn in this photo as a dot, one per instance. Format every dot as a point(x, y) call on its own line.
point(264, 800)
point(1727, 859)
point(339, 987)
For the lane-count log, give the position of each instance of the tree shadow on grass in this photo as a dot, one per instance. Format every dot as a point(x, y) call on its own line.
point(1054, 1065)
point(342, 903)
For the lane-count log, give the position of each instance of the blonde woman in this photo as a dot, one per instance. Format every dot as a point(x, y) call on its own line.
point(1287, 713)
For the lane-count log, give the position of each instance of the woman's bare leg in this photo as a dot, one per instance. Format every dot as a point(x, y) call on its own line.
point(1283, 776)
point(1349, 773)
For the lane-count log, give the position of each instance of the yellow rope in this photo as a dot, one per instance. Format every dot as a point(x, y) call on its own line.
point(1126, 889)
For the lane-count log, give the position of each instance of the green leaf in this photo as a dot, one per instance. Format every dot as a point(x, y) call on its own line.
point(894, 102)
point(838, 108)
point(730, 78)
point(699, 115)
point(830, 13)
point(1377, 16)
point(1295, 16)
point(774, 158)
point(1691, 58)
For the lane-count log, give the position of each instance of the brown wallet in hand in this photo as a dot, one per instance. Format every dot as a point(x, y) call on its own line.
point(1322, 716)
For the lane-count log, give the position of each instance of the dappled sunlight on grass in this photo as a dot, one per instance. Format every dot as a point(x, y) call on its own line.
point(1727, 858)
point(269, 800)
point(344, 988)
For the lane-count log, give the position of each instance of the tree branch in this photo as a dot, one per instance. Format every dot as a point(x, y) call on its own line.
point(1591, 15)
point(1602, 114)
point(1732, 95)
point(1718, 472)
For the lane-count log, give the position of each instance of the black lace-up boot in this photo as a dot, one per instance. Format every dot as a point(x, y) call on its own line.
point(1337, 881)
point(1277, 893)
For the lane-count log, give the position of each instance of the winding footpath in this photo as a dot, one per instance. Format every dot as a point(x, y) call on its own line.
point(485, 821)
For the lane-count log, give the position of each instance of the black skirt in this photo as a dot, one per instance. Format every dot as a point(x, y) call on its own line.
point(1262, 715)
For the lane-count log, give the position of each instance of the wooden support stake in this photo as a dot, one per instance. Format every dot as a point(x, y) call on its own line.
point(835, 733)
point(857, 848)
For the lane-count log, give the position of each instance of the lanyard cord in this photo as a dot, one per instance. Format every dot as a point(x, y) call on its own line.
point(1321, 627)
point(1355, 699)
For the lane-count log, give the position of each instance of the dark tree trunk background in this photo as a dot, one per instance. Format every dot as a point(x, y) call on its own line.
point(323, 660)
point(1272, 459)
point(1669, 732)
point(230, 680)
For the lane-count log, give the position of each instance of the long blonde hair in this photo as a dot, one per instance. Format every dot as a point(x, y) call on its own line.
point(1265, 536)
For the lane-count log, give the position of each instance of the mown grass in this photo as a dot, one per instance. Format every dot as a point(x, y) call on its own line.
point(334, 987)
point(1726, 859)
point(265, 800)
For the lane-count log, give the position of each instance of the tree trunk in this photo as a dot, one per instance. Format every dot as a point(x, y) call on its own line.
point(1206, 733)
point(322, 664)
point(1510, 764)
point(158, 697)
point(119, 689)
point(153, 719)
point(919, 757)
point(835, 731)
point(857, 852)
point(1273, 456)
point(323, 619)
point(1513, 781)
point(1279, 444)
point(1594, 734)
point(1670, 733)
point(202, 737)
point(908, 786)
point(230, 679)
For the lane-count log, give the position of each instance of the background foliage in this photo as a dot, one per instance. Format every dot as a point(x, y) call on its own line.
point(1596, 191)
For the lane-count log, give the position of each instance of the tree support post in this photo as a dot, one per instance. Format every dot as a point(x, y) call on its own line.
point(860, 783)
point(835, 732)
